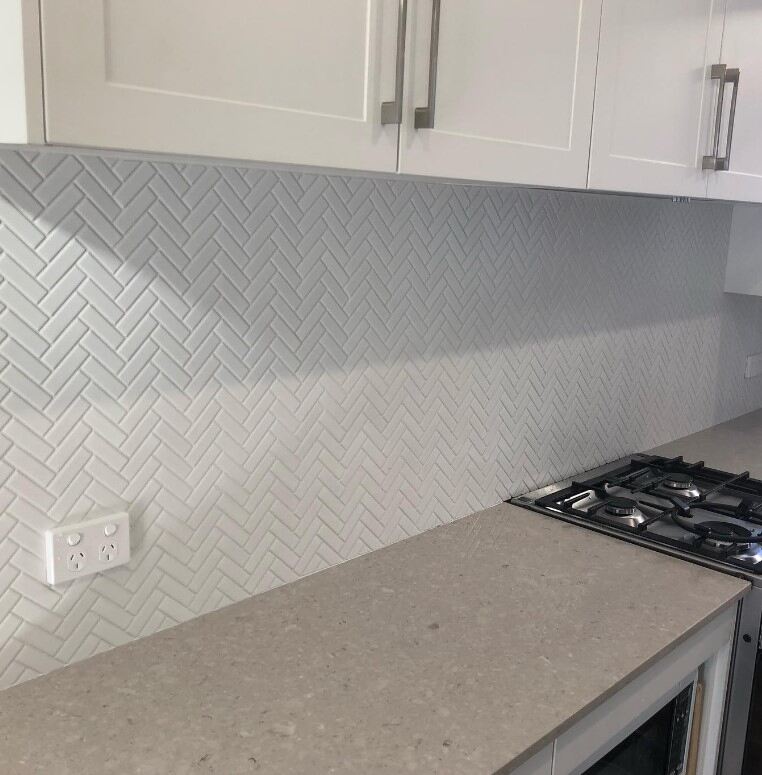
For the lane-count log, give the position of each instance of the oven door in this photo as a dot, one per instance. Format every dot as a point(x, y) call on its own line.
point(659, 746)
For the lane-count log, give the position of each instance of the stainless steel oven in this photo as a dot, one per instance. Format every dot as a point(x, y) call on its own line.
point(659, 746)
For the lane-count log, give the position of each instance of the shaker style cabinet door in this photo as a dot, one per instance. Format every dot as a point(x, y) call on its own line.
point(739, 171)
point(500, 90)
point(655, 98)
point(276, 80)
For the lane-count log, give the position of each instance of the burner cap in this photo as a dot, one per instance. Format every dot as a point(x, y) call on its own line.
point(621, 507)
point(720, 530)
point(678, 481)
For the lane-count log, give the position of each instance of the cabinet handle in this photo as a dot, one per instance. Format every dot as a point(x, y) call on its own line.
point(424, 117)
point(391, 112)
point(724, 75)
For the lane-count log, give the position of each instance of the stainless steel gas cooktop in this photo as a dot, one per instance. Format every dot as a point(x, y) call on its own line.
point(688, 508)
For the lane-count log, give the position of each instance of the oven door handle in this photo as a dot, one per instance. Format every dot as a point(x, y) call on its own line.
point(695, 738)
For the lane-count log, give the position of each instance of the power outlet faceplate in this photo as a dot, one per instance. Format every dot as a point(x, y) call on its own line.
point(81, 549)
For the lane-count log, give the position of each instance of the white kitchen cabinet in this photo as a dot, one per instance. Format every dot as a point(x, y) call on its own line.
point(286, 81)
point(655, 98)
point(742, 49)
point(511, 96)
point(613, 95)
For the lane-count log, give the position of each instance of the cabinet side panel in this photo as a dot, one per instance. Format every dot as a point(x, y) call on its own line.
point(20, 73)
point(744, 270)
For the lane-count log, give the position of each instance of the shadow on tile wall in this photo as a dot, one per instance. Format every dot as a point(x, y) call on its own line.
point(275, 372)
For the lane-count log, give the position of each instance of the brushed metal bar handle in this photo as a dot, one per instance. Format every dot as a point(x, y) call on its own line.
point(733, 76)
point(725, 75)
point(391, 112)
point(424, 117)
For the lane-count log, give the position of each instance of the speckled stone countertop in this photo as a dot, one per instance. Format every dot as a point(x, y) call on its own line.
point(732, 446)
point(462, 650)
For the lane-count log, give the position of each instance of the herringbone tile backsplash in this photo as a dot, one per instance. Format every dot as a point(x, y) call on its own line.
point(275, 372)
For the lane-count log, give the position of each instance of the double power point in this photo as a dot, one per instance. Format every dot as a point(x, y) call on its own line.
point(84, 548)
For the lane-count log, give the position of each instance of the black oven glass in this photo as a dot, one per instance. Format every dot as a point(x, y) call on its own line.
point(655, 748)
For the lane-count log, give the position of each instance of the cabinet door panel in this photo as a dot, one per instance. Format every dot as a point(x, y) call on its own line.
point(287, 81)
point(654, 98)
point(742, 48)
point(514, 90)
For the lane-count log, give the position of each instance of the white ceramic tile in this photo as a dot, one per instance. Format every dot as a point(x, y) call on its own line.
point(275, 372)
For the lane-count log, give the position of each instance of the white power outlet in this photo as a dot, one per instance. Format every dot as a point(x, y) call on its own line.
point(108, 552)
point(75, 560)
point(84, 548)
point(753, 365)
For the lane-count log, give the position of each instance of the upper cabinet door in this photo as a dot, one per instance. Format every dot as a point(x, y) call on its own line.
point(511, 96)
point(655, 98)
point(741, 176)
point(277, 80)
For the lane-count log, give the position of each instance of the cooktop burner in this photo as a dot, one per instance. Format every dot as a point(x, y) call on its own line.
point(621, 507)
point(679, 481)
point(622, 510)
point(682, 484)
point(724, 531)
point(687, 506)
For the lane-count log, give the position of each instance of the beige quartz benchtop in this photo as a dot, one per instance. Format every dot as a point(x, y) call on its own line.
point(462, 650)
point(734, 446)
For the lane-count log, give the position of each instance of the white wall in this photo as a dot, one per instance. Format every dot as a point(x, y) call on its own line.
point(276, 372)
